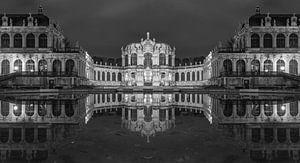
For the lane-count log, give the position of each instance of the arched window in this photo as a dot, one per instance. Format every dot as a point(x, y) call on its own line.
point(134, 59)
point(293, 67)
point(268, 41)
point(103, 76)
point(29, 108)
point(18, 66)
point(227, 65)
point(5, 67)
point(241, 108)
point(4, 108)
point(42, 108)
point(255, 108)
point(293, 41)
point(162, 59)
point(198, 76)
point(30, 66)
point(255, 135)
point(193, 76)
point(126, 60)
point(228, 109)
point(268, 108)
point(269, 135)
point(176, 76)
point(268, 66)
point(255, 66)
point(43, 66)
point(17, 137)
point(182, 97)
point(176, 97)
point(56, 108)
point(119, 76)
point(70, 64)
point(280, 41)
point(281, 135)
point(30, 41)
point(43, 41)
point(113, 76)
point(182, 76)
point(240, 67)
point(148, 60)
point(255, 42)
point(18, 41)
point(108, 76)
point(69, 110)
point(294, 108)
point(170, 60)
point(280, 66)
point(188, 76)
point(294, 134)
point(56, 66)
point(5, 40)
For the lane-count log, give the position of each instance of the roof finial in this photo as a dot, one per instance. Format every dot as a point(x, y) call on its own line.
point(40, 9)
point(148, 35)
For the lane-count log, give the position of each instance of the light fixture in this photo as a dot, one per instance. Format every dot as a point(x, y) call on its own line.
point(282, 68)
point(16, 68)
point(15, 107)
point(282, 108)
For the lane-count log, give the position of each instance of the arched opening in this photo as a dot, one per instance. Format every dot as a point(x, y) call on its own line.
point(176, 76)
point(269, 135)
point(281, 109)
point(16, 135)
point(228, 109)
point(103, 76)
point(255, 42)
point(56, 108)
point(5, 67)
point(193, 76)
point(42, 108)
point(255, 133)
point(182, 97)
point(43, 40)
point(281, 135)
point(4, 134)
point(293, 41)
point(293, 67)
point(119, 97)
point(162, 59)
point(30, 67)
point(29, 108)
point(42, 135)
point(134, 59)
point(119, 76)
point(294, 108)
point(70, 64)
point(30, 41)
point(176, 97)
point(18, 41)
point(268, 41)
point(227, 66)
point(148, 60)
point(108, 76)
point(294, 135)
point(240, 67)
point(43, 66)
point(57, 66)
point(29, 135)
point(69, 110)
point(280, 66)
point(280, 41)
point(17, 109)
point(18, 66)
point(182, 76)
point(268, 108)
point(5, 40)
point(113, 76)
point(170, 60)
point(241, 108)
point(126, 60)
point(255, 108)
point(255, 66)
point(268, 66)
point(4, 108)
point(188, 76)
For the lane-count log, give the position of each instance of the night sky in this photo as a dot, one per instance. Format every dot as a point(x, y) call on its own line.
point(194, 27)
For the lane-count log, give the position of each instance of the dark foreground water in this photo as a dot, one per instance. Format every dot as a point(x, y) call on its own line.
point(149, 127)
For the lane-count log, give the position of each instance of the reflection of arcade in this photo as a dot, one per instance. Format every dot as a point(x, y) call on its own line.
point(31, 126)
point(268, 126)
point(149, 113)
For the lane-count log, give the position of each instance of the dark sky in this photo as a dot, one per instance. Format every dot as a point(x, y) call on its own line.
point(194, 27)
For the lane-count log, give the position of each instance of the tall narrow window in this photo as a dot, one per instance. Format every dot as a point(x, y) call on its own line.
point(280, 41)
point(5, 67)
point(268, 66)
point(30, 41)
point(43, 41)
point(18, 66)
point(162, 59)
point(280, 66)
point(255, 41)
point(134, 59)
point(293, 67)
point(30, 66)
point(176, 76)
point(240, 67)
point(293, 41)
point(18, 41)
point(5, 40)
point(227, 66)
point(182, 76)
point(70, 66)
point(268, 41)
point(57, 66)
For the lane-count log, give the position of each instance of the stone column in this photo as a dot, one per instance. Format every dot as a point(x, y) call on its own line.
point(173, 60)
point(275, 135)
point(274, 40)
point(36, 37)
point(129, 114)
point(63, 65)
point(123, 60)
point(287, 43)
point(11, 40)
point(288, 135)
point(23, 40)
point(233, 65)
point(129, 59)
point(261, 41)
point(167, 60)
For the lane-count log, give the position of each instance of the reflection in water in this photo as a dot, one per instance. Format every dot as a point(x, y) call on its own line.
point(33, 127)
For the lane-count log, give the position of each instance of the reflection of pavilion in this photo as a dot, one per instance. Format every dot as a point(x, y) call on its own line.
point(149, 113)
point(269, 128)
point(31, 126)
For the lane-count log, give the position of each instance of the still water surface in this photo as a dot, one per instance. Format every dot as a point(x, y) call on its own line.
point(149, 127)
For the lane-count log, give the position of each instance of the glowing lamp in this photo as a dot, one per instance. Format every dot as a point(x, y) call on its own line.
point(266, 70)
point(282, 108)
point(282, 68)
point(15, 107)
point(16, 68)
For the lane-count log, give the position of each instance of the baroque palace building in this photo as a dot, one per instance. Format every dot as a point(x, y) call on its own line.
point(263, 53)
